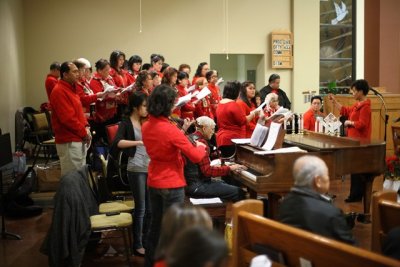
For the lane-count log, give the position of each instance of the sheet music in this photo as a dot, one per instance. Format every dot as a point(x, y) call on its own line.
point(183, 100)
point(272, 136)
point(292, 149)
point(280, 112)
point(215, 162)
point(200, 201)
point(260, 107)
point(128, 88)
point(191, 88)
point(259, 135)
point(203, 93)
point(241, 141)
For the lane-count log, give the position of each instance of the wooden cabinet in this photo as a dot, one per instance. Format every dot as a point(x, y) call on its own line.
point(378, 115)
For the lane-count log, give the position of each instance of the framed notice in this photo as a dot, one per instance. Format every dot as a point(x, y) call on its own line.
point(282, 50)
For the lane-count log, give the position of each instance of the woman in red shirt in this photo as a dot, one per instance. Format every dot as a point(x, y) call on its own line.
point(358, 125)
point(144, 82)
point(134, 64)
point(105, 108)
point(169, 78)
point(231, 120)
point(247, 103)
point(121, 78)
point(201, 71)
point(187, 109)
point(203, 106)
point(165, 144)
point(215, 97)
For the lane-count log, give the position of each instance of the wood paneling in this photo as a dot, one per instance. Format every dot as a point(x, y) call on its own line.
point(378, 114)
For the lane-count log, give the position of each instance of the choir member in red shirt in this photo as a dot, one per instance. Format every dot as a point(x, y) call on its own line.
point(312, 113)
point(215, 97)
point(185, 68)
point(134, 64)
point(156, 78)
point(52, 78)
point(358, 125)
point(165, 144)
point(231, 120)
point(121, 78)
point(187, 109)
point(71, 129)
point(201, 71)
point(105, 108)
point(247, 103)
point(203, 106)
point(144, 82)
point(87, 97)
point(169, 78)
point(156, 64)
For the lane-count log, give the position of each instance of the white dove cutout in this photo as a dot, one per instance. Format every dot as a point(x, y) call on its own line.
point(341, 13)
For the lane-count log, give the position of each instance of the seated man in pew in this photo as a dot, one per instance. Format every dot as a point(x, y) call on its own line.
point(307, 207)
point(199, 177)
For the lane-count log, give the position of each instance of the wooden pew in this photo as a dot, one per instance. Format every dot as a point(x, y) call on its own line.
point(385, 216)
point(295, 244)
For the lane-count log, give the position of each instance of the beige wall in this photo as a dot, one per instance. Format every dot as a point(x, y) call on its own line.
point(12, 82)
point(184, 31)
point(37, 32)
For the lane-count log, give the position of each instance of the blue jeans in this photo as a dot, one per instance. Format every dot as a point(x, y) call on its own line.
point(142, 213)
point(161, 200)
point(215, 188)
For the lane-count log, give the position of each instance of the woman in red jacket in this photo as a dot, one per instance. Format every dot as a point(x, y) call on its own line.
point(247, 102)
point(231, 120)
point(134, 64)
point(201, 71)
point(165, 144)
point(182, 83)
point(144, 82)
point(215, 97)
point(358, 125)
point(105, 108)
point(121, 78)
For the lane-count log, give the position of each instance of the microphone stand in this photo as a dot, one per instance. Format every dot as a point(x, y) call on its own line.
point(386, 118)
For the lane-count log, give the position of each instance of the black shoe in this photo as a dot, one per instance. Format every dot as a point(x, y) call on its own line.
point(350, 199)
point(137, 253)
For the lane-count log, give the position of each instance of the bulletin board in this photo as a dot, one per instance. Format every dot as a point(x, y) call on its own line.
point(282, 50)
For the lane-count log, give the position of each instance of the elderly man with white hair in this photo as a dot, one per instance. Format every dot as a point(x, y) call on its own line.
point(307, 207)
point(199, 177)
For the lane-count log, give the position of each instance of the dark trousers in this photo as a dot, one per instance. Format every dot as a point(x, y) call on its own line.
point(357, 184)
point(142, 212)
point(215, 188)
point(160, 201)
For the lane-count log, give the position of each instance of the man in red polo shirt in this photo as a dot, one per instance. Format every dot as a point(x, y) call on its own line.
point(70, 126)
point(52, 78)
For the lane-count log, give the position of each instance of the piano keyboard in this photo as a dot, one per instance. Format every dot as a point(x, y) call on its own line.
point(248, 175)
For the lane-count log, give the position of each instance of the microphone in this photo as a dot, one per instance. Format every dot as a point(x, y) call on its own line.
point(397, 120)
point(375, 92)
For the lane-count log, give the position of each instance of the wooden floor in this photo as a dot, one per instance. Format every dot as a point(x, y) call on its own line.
point(25, 252)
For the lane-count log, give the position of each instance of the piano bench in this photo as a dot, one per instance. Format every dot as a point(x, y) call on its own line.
point(217, 212)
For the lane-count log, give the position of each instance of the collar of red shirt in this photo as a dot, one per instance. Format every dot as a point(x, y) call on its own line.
point(367, 102)
point(68, 85)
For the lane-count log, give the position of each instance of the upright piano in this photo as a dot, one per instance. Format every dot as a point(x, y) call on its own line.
point(272, 174)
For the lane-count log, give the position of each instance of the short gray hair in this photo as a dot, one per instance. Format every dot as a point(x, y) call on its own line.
point(306, 168)
point(205, 121)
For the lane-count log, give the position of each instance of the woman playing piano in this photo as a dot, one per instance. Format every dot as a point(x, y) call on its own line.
point(358, 125)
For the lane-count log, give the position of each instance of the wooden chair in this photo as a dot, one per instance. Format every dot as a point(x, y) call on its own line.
point(298, 247)
point(111, 131)
point(385, 216)
point(396, 139)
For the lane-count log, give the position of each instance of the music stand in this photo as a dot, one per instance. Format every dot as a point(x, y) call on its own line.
point(6, 158)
